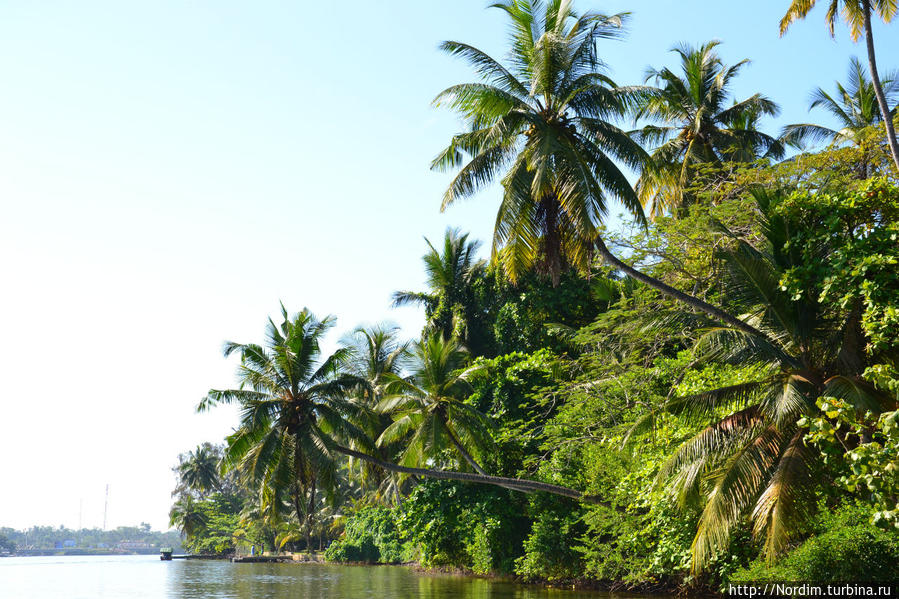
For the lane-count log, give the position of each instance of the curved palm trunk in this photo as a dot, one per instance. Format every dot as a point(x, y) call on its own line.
point(878, 88)
point(469, 458)
point(461, 448)
point(516, 484)
point(693, 302)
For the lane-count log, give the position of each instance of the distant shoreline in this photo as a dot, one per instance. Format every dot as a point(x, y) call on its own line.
point(71, 552)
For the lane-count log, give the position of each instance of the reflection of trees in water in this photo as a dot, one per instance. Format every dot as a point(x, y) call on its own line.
point(220, 579)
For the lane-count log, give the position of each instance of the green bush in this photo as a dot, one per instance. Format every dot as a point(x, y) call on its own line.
point(550, 548)
point(477, 527)
point(846, 548)
point(370, 536)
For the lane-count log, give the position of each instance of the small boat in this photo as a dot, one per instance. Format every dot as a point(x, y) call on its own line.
point(165, 554)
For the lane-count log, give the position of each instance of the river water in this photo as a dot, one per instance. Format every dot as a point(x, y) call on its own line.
point(143, 576)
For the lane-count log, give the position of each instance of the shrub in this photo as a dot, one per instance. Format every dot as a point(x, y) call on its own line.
point(370, 536)
point(847, 548)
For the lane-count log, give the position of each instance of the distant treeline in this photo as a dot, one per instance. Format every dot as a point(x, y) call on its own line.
point(130, 539)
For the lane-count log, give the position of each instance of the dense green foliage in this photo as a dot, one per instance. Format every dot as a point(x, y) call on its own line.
point(845, 548)
point(684, 422)
point(372, 536)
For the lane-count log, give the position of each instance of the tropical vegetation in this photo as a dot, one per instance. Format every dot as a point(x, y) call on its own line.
point(705, 394)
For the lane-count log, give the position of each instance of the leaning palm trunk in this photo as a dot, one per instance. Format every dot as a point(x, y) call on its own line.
point(878, 88)
point(516, 484)
point(471, 461)
point(693, 302)
point(461, 449)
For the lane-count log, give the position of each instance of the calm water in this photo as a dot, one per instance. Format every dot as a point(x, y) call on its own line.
point(147, 577)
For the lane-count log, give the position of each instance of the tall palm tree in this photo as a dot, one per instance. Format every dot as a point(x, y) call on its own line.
point(854, 106)
point(754, 460)
point(857, 15)
point(198, 471)
point(291, 402)
point(449, 303)
point(376, 357)
point(698, 123)
point(543, 124)
point(429, 408)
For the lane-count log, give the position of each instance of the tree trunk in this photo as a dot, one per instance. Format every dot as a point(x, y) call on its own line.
point(461, 448)
point(549, 208)
point(517, 484)
point(878, 88)
point(468, 458)
point(309, 517)
point(689, 300)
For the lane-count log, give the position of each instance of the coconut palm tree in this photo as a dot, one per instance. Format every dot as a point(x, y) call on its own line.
point(376, 357)
point(429, 408)
point(754, 460)
point(543, 126)
point(187, 517)
point(198, 471)
point(291, 402)
point(449, 303)
point(857, 15)
point(854, 106)
point(697, 122)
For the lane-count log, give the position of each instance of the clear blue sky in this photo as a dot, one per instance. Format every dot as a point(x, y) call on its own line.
point(170, 170)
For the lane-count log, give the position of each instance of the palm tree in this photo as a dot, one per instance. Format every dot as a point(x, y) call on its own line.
point(198, 471)
point(291, 402)
point(429, 408)
point(544, 123)
point(698, 123)
point(854, 106)
point(856, 14)
point(186, 517)
point(376, 356)
point(449, 303)
point(754, 460)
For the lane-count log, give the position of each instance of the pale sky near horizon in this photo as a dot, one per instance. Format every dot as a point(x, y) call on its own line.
point(170, 171)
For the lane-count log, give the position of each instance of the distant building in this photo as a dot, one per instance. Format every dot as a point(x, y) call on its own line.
point(132, 545)
point(68, 543)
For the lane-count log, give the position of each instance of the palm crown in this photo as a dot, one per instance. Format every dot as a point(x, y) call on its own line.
point(198, 471)
point(449, 302)
point(852, 11)
point(428, 407)
point(697, 122)
point(854, 106)
point(543, 125)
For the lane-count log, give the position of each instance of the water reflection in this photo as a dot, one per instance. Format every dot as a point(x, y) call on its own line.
point(222, 580)
point(146, 577)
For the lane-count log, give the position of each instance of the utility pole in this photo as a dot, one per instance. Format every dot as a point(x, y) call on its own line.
point(105, 506)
